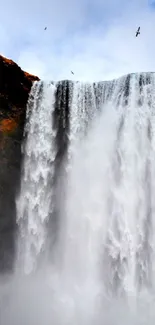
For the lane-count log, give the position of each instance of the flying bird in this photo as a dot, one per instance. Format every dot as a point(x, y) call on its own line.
point(72, 72)
point(45, 28)
point(138, 31)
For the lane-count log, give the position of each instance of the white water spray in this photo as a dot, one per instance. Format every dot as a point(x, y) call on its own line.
point(34, 201)
point(105, 270)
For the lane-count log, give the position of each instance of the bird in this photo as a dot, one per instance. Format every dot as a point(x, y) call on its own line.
point(138, 31)
point(72, 72)
point(45, 28)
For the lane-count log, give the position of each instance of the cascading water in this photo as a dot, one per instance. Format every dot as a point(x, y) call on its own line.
point(34, 202)
point(102, 269)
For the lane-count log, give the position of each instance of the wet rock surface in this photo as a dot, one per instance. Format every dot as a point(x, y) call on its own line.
point(15, 85)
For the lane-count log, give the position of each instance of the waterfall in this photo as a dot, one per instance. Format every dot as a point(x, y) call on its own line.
point(34, 201)
point(86, 208)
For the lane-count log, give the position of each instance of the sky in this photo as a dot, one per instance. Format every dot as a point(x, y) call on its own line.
point(93, 38)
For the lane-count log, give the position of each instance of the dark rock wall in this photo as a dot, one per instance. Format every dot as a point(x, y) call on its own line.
point(15, 86)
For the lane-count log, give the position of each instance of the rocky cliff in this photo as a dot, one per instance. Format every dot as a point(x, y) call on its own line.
point(15, 85)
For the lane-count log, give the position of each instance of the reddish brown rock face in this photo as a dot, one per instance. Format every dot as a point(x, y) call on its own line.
point(15, 86)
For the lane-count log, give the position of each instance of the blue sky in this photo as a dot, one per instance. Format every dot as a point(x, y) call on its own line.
point(94, 38)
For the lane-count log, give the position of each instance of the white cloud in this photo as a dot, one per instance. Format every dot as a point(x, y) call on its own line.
point(76, 40)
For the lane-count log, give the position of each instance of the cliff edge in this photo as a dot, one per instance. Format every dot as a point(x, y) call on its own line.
point(15, 85)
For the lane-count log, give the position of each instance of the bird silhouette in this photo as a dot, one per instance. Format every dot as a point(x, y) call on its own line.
point(72, 72)
point(45, 28)
point(138, 31)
